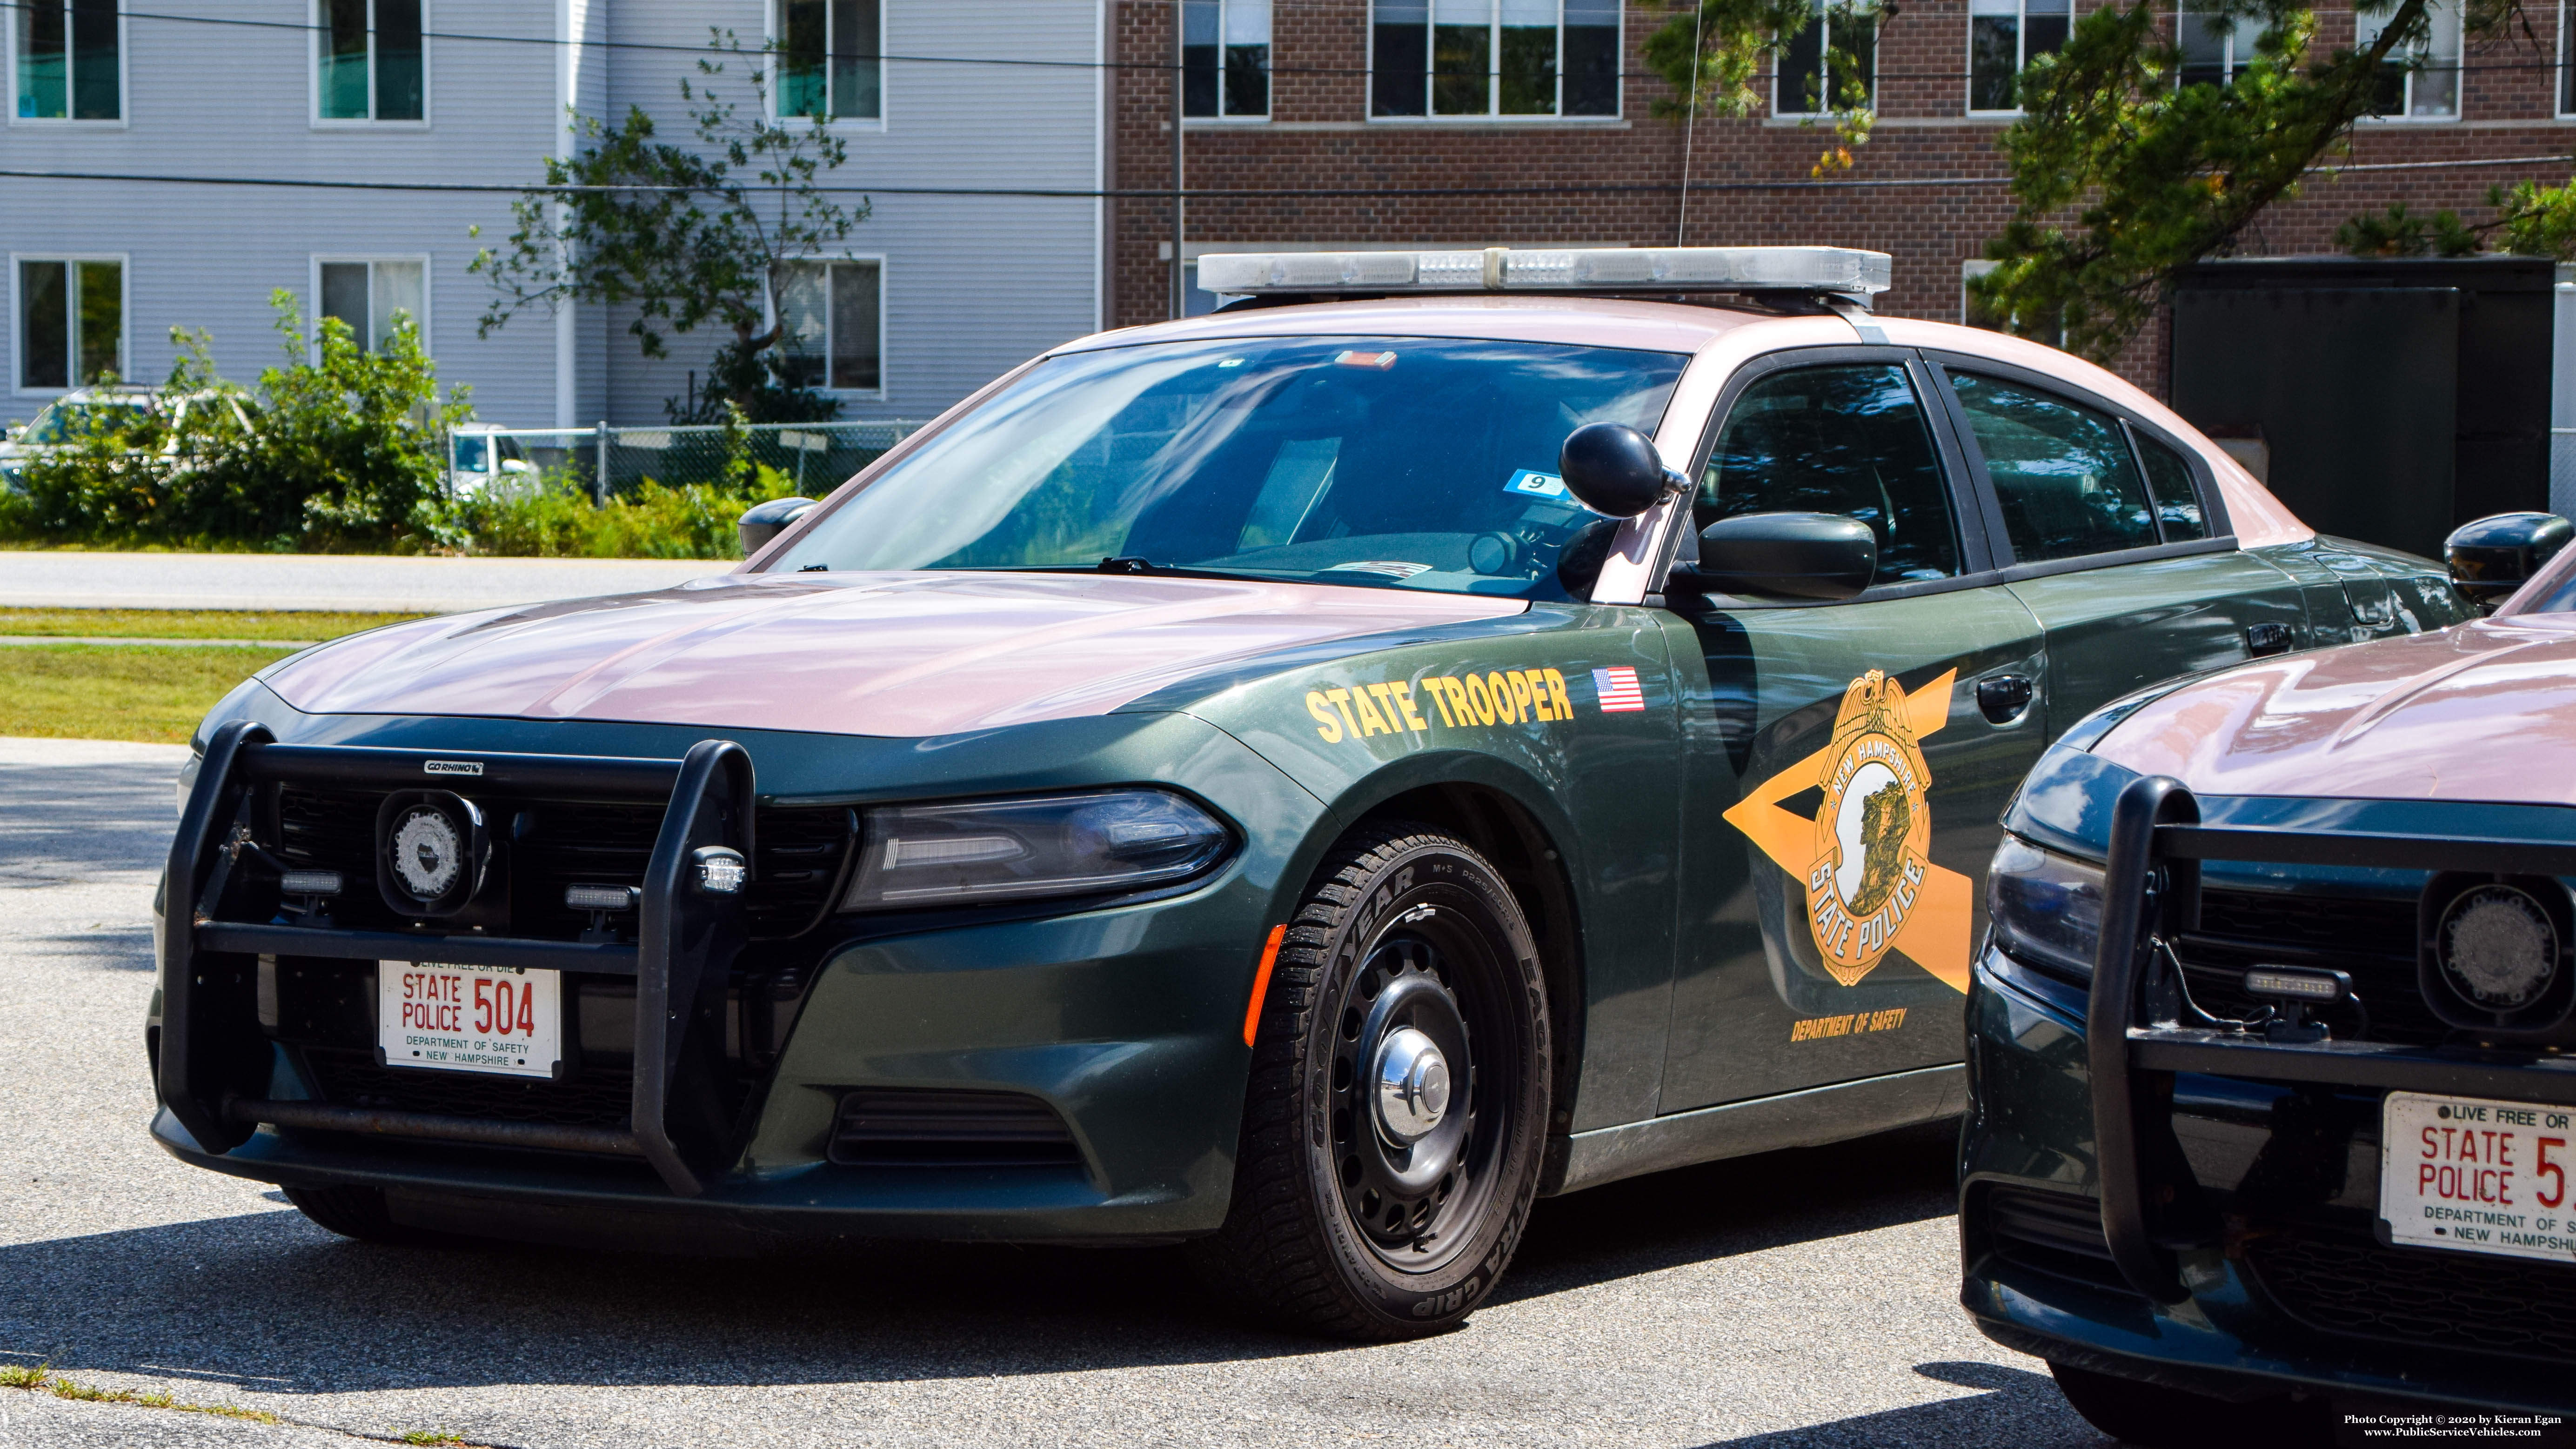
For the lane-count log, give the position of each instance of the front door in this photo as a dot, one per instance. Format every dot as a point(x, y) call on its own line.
point(1843, 777)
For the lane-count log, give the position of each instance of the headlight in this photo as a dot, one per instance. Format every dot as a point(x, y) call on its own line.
point(1052, 845)
point(2046, 908)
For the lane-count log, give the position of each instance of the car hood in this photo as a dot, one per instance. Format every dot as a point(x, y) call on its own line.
point(2484, 711)
point(900, 654)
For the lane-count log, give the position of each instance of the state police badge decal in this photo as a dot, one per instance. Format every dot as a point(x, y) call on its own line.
point(1874, 832)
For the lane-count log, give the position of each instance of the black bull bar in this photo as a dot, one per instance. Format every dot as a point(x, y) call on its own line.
point(215, 1059)
point(2151, 1204)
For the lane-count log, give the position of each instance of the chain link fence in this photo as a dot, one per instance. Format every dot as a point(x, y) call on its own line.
point(607, 462)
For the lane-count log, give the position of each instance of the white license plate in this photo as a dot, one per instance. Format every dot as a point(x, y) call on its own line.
point(2478, 1176)
point(469, 1018)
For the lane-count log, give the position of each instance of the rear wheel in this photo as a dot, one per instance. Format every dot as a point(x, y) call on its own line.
point(2153, 1417)
point(352, 1212)
point(1398, 1098)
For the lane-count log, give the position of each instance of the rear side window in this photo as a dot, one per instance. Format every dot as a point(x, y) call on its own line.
point(2063, 473)
point(2169, 479)
point(1848, 440)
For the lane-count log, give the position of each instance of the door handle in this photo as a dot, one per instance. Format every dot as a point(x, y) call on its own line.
point(2004, 698)
point(2263, 639)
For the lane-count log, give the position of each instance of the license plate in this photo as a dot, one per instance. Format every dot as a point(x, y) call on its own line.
point(496, 1019)
point(2478, 1176)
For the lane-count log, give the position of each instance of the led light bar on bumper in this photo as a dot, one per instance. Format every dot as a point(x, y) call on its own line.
point(1843, 270)
point(1051, 845)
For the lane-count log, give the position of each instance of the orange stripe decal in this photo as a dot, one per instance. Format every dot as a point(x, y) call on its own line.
point(1261, 982)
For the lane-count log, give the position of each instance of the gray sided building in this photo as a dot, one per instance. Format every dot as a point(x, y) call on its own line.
point(935, 293)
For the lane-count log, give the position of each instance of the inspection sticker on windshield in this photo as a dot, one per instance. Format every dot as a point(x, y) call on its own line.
point(1536, 485)
point(449, 1018)
point(2478, 1176)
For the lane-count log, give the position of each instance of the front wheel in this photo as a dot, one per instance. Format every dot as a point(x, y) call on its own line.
point(1398, 1099)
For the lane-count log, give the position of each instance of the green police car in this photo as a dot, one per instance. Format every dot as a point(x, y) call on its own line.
point(1447, 729)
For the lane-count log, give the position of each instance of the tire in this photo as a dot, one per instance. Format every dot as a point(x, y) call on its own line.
point(1386, 1215)
point(2153, 1417)
point(351, 1212)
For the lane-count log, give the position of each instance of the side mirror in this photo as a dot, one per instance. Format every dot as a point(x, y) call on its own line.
point(2494, 556)
point(1783, 555)
point(762, 522)
point(1614, 470)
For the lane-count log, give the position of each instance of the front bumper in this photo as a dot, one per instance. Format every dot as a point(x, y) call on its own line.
point(2274, 1156)
point(1123, 1020)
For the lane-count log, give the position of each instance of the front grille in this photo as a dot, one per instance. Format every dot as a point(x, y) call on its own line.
point(597, 1097)
point(799, 852)
point(2371, 937)
point(2053, 1233)
point(905, 1127)
point(2449, 1300)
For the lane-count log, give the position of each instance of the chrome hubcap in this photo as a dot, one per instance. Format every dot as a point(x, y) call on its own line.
point(1412, 1086)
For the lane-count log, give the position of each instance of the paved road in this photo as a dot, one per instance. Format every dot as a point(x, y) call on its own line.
point(76, 580)
point(1802, 1298)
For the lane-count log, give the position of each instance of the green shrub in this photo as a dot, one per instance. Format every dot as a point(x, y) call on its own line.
point(553, 518)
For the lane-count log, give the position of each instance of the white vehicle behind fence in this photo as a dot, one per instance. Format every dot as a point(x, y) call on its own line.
point(69, 418)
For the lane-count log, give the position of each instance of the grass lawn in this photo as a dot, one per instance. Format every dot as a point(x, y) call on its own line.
point(298, 627)
point(145, 692)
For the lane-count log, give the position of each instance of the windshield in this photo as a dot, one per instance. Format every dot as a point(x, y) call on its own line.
point(1413, 462)
point(67, 422)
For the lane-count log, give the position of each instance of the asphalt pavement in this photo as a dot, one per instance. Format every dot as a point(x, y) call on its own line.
point(1800, 1298)
point(70, 579)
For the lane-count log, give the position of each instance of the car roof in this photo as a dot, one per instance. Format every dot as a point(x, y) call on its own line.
point(2258, 518)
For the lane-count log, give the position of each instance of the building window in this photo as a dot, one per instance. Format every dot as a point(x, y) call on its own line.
point(1808, 81)
point(71, 322)
point(70, 67)
point(2215, 49)
point(2421, 82)
point(2567, 57)
point(831, 59)
point(368, 60)
point(831, 325)
point(2003, 37)
point(370, 294)
point(1225, 57)
point(1494, 58)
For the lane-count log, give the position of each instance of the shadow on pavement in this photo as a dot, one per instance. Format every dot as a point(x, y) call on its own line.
point(267, 1301)
point(79, 822)
point(2019, 1407)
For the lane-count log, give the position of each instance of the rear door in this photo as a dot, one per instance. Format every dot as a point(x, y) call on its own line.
point(1842, 780)
point(2115, 538)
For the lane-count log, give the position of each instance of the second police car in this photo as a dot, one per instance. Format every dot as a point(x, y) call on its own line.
point(1447, 729)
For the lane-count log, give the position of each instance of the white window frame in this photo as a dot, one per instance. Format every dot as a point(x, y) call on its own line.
point(1824, 17)
point(2021, 55)
point(124, 90)
point(2406, 94)
point(315, 35)
point(18, 322)
point(1271, 99)
point(1491, 116)
point(2231, 63)
point(774, 33)
point(313, 282)
point(885, 290)
point(2559, 83)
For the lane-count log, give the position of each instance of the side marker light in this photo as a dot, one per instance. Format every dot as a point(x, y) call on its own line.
point(1261, 982)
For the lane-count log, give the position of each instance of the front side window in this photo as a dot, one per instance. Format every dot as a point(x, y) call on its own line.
point(2003, 37)
point(1832, 65)
point(1225, 57)
point(1493, 58)
point(71, 323)
point(68, 63)
point(2063, 473)
point(1391, 462)
point(2420, 82)
point(831, 64)
point(369, 62)
point(1847, 440)
point(371, 295)
point(829, 332)
point(2215, 49)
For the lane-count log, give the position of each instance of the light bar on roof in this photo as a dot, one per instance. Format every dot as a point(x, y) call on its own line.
point(1842, 270)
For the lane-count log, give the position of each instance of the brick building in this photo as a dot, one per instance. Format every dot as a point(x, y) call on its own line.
point(1326, 97)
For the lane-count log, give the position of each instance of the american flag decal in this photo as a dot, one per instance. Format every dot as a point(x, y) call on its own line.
point(1617, 690)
